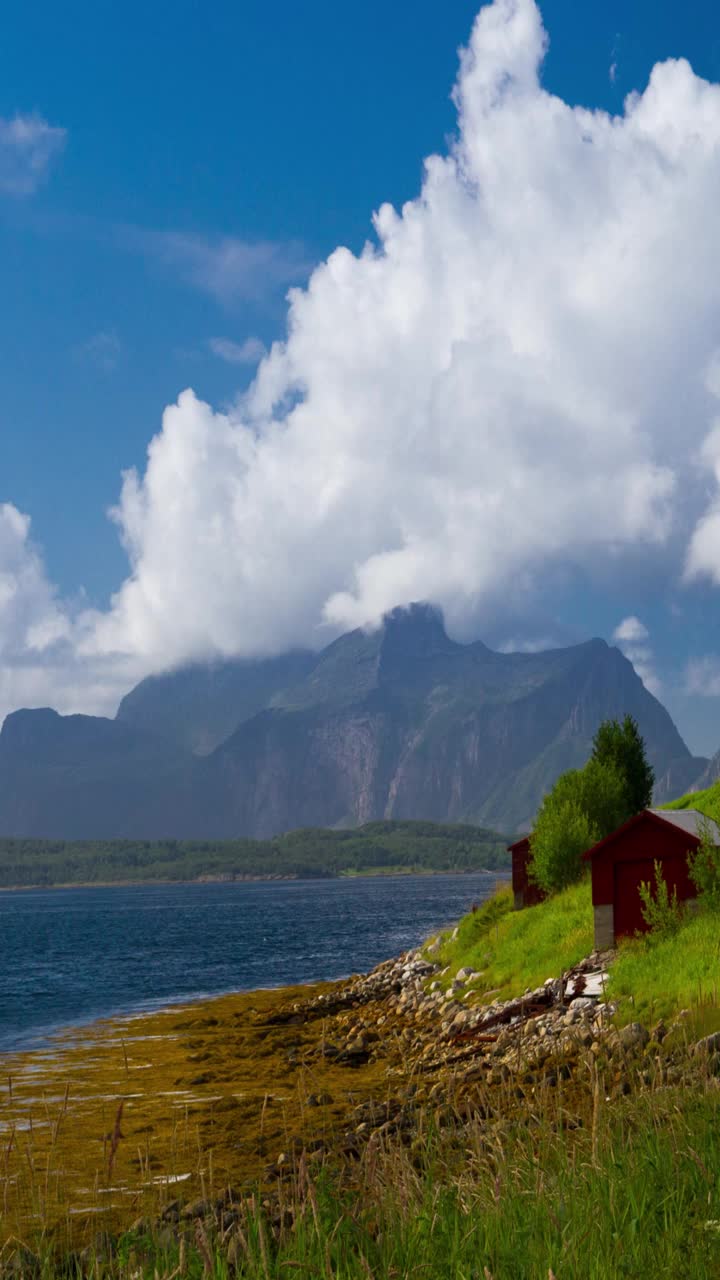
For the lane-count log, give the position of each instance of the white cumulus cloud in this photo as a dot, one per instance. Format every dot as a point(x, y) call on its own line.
point(513, 377)
point(40, 636)
point(492, 387)
point(633, 638)
point(630, 631)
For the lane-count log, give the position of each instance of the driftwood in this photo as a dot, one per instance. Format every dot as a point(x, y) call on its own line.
point(523, 1008)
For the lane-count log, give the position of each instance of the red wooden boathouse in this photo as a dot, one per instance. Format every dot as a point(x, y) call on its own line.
point(525, 893)
point(626, 858)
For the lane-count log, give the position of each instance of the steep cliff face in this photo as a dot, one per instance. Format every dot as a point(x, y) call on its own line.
point(414, 725)
point(198, 707)
point(398, 723)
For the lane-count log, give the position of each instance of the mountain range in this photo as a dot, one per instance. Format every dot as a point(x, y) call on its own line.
point(399, 722)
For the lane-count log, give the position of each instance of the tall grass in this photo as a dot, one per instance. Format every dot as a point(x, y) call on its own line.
point(658, 976)
point(573, 1190)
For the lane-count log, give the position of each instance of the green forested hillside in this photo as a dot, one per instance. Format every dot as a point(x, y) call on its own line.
point(312, 852)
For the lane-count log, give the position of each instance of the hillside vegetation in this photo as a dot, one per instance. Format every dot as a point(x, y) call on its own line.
point(514, 950)
point(653, 976)
point(707, 801)
point(378, 847)
point(656, 977)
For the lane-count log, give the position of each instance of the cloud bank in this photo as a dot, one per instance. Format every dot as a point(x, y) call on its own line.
point(517, 374)
point(41, 636)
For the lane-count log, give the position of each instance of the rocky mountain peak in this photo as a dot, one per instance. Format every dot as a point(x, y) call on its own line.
point(399, 722)
point(415, 630)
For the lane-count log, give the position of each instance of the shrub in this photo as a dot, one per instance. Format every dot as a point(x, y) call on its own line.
point(704, 867)
point(661, 910)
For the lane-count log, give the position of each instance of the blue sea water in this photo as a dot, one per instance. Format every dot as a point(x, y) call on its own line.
point(68, 956)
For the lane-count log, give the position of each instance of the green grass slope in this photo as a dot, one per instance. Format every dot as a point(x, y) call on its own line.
point(514, 950)
point(707, 801)
point(651, 977)
point(657, 977)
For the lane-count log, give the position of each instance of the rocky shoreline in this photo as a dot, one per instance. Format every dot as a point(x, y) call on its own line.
point(275, 1084)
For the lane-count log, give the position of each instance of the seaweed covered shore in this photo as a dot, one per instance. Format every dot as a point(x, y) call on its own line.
point(204, 1135)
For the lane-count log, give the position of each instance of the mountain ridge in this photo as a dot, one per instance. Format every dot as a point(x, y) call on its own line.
point(395, 723)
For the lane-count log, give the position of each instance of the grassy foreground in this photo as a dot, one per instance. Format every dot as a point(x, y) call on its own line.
point(611, 1193)
point(598, 1166)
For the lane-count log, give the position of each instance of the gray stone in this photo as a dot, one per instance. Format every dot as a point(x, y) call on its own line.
point(634, 1036)
point(710, 1044)
point(197, 1209)
point(581, 1004)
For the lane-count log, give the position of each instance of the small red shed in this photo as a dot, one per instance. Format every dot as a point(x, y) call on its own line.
point(526, 893)
point(626, 858)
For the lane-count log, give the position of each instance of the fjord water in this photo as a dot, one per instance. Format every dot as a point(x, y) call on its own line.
point(68, 956)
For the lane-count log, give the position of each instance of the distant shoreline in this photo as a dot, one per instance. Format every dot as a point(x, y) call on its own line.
point(398, 874)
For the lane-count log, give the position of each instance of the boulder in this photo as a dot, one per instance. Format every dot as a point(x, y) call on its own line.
point(709, 1044)
point(634, 1036)
point(582, 1004)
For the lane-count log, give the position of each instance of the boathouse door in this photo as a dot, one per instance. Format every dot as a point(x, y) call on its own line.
point(628, 904)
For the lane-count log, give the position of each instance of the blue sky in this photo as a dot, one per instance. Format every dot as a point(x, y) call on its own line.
point(210, 157)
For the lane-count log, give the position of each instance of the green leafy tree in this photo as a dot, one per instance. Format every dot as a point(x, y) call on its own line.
point(583, 806)
point(587, 804)
point(621, 745)
point(604, 795)
point(563, 832)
